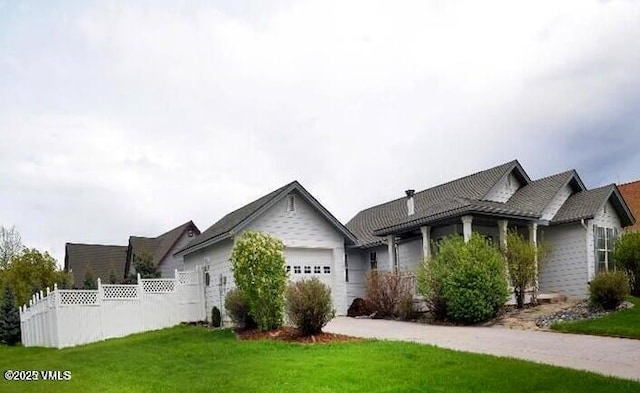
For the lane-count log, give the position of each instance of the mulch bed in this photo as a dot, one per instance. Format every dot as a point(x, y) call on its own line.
point(289, 334)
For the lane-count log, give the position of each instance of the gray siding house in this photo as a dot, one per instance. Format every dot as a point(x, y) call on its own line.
point(578, 224)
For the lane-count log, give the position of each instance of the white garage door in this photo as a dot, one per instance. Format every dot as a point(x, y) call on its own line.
point(309, 262)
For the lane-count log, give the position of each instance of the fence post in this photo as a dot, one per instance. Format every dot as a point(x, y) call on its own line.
point(57, 340)
point(142, 303)
point(99, 301)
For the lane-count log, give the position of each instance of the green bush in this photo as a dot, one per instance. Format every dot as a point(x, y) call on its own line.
point(9, 319)
point(608, 289)
point(216, 317)
point(465, 281)
point(238, 309)
point(308, 304)
point(259, 271)
point(626, 255)
point(387, 293)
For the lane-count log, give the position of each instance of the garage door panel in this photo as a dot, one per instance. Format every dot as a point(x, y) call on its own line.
point(307, 263)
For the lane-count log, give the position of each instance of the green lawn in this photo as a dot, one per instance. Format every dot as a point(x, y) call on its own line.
point(194, 359)
point(619, 324)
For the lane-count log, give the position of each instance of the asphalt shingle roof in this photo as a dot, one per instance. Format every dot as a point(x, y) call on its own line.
point(583, 205)
point(231, 220)
point(435, 202)
point(98, 257)
point(535, 196)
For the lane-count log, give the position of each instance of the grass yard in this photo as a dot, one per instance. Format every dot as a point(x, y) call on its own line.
point(625, 323)
point(194, 359)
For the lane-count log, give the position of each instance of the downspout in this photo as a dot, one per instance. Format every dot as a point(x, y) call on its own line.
point(583, 224)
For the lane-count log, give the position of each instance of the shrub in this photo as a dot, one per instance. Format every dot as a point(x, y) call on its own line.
point(608, 289)
point(465, 281)
point(358, 308)
point(259, 271)
point(385, 292)
point(9, 319)
point(626, 254)
point(216, 317)
point(308, 304)
point(238, 309)
point(521, 256)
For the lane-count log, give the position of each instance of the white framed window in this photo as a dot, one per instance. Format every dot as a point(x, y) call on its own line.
point(291, 203)
point(317, 270)
point(288, 268)
point(307, 270)
point(327, 270)
point(296, 270)
point(604, 240)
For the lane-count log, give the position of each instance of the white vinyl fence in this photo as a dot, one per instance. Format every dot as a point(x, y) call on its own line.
point(64, 318)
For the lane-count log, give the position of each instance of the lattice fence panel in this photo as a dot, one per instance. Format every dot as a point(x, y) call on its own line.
point(158, 285)
point(119, 292)
point(74, 297)
point(188, 277)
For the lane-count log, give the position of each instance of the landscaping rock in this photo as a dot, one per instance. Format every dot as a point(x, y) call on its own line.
point(579, 312)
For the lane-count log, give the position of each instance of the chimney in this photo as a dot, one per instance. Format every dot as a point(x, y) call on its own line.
point(410, 203)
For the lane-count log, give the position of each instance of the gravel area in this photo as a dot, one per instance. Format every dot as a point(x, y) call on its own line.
point(578, 312)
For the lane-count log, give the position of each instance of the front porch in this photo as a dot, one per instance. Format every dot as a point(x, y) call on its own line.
point(399, 246)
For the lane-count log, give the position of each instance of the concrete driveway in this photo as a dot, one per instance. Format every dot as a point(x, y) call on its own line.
point(610, 356)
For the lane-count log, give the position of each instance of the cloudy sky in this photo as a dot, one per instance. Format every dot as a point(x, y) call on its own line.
point(121, 118)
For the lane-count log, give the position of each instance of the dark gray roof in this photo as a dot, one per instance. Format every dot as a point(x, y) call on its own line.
point(98, 257)
point(463, 194)
point(452, 208)
point(223, 227)
point(586, 204)
point(535, 196)
point(159, 247)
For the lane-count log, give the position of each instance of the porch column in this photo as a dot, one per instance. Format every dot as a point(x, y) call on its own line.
point(391, 244)
point(502, 232)
point(533, 238)
point(426, 242)
point(466, 227)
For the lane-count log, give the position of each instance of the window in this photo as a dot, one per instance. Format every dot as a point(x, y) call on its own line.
point(296, 270)
point(207, 279)
point(317, 270)
point(190, 233)
point(307, 270)
point(604, 241)
point(346, 268)
point(291, 203)
point(288, 269)
point(327, 270)
point(373, 260)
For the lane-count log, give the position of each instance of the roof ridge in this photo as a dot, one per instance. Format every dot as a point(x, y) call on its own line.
point(93, 244)
point(567, 172)
point(628, 183)
point(512, 162)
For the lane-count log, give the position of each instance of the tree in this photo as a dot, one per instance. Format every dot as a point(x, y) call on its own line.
point(9, 319)
point(465, 281)
point(90, 281)
point(30, 271)
point(113, 278)
point(626, 254)
point(144, 266)
point(259, 271)
point(10, 245)
point(523, 263)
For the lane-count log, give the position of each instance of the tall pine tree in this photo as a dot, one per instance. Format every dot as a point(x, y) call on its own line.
point(9, 319)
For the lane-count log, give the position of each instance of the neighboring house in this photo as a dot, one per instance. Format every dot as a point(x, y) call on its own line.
point(578, 224)
point(162, 248)
point(101, 260)
point(631, 194)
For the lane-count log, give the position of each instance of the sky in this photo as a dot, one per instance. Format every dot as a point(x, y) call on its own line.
point(131, 118)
